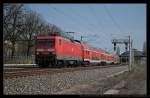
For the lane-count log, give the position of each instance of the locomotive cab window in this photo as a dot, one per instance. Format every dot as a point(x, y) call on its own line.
point(46, 42)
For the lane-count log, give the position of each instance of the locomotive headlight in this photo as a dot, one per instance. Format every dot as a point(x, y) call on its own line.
point(37, 53)
point(50, 50)
point(40, 50)
point(53, 52)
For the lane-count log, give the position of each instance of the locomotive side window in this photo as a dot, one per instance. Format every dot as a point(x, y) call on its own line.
point(46, 42)
point(88, 52)
point(59, 41)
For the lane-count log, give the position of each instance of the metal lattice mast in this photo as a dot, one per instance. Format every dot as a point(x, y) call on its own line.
point(126, 42)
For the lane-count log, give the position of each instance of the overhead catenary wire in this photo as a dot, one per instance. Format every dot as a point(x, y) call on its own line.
point(94, 14)
point(111, 17)
point(62, 13)
point(86, 20)
point(113, 20)
point(89, 26)
point(56, 11)
point(73, 19)
point(98, 21)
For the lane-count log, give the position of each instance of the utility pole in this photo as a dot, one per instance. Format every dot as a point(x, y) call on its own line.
point(82, 38)
point(130, 54)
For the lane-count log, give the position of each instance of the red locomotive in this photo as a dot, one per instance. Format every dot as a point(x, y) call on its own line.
point(56, 49)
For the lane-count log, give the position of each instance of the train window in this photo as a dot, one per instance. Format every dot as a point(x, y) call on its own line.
point(59, 41)
point(46, 42)
point(87, 52)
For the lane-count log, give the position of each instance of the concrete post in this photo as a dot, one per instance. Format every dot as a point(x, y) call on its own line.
point(130, 54)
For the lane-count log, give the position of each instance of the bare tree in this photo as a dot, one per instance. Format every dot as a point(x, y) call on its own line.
point(46, 28)
point(55, 28)
point(35, 24)
point(30, 29)
point(20, 26)
point(12, 22)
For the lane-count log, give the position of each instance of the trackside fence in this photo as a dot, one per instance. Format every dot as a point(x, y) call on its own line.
point(19, 60)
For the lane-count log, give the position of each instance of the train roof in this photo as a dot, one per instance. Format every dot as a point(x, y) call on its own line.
point(77, 41)
point(98, 49)
point(93, 48)
point(62, 34)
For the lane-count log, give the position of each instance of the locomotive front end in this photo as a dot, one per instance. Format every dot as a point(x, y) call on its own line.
point(45, 51)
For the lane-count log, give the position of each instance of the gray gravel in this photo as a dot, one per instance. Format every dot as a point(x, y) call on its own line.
point(50, 84)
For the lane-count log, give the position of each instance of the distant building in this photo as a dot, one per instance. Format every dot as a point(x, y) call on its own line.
point(139, 57)
point(7, 48)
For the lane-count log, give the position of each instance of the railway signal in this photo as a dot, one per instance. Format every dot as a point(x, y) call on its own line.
point(126, 46)
point(114, 46)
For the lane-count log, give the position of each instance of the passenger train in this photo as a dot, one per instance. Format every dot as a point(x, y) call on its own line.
point(55, 49)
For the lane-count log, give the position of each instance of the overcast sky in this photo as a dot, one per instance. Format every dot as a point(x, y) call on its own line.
point(99, 22)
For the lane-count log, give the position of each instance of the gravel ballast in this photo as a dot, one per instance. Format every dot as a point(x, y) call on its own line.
point(50, 84)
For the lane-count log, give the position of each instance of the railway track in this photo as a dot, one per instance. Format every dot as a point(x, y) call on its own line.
point(34, 71)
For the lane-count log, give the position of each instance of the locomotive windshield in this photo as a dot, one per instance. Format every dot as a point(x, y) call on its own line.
point(45, 42)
